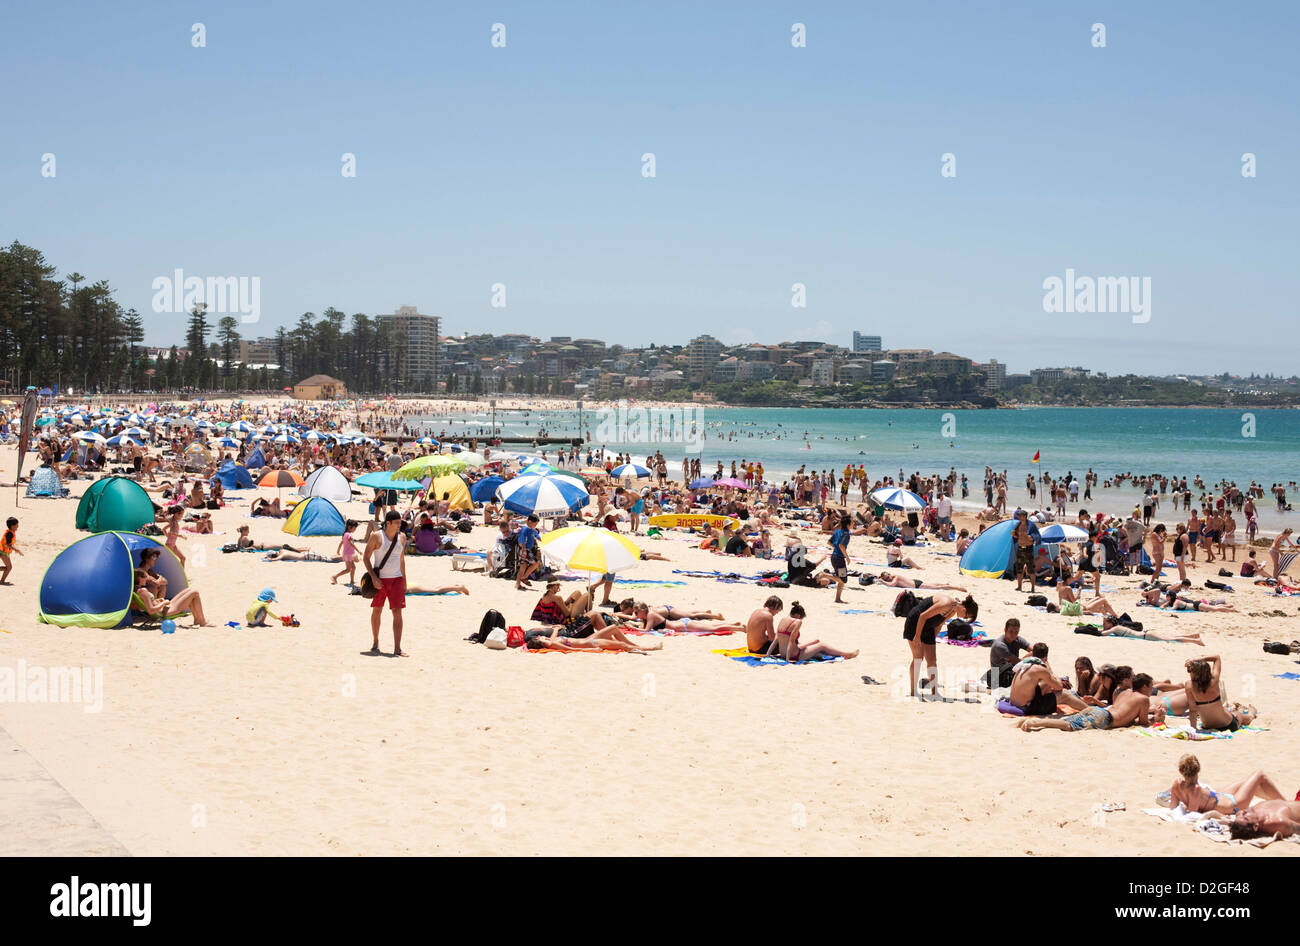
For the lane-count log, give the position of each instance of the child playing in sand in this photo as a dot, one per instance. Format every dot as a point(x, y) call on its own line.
point(261, 609)
point(7, 546)
point(348, 549)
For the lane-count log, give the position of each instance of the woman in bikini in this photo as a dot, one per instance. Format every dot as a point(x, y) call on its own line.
point(157, 608)
point(793, 649)
point(898, 581)
point(1275, 553)
point(1192, 795)
point(173, 532)
point(1205, 698)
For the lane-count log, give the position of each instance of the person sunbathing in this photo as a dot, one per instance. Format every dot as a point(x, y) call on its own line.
point(246, 543)
point(263, 508)
point(895, 558)
point(672, 613)
point(1177, 602)
point(791, 647)
point(654, 621)
point(1194, 796)
point(160, 608)
point(1073, 606)
point(1132, 706)
point(292, 555)
point(1206, 705)
point(1272, 817)
point(597, 636)
point(552, 609)
point(1111, 627)
point(898, 581)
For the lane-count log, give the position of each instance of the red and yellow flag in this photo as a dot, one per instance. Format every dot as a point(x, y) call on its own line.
point(1035, 459)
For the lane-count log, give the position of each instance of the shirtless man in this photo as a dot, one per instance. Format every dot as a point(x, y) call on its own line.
point(1273, 817)
point(760, 631)
point(1131, 706)
point(1036, 689)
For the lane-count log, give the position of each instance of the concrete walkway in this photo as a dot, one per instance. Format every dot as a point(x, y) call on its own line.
point(41, 818)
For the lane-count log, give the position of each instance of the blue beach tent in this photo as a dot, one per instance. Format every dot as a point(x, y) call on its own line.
point(315, 515)
point(234, 476)
point(90, 583)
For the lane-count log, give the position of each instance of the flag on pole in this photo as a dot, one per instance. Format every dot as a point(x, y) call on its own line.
point(1035, 459)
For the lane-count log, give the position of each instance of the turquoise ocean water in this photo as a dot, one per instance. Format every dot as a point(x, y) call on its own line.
point(1240, 445)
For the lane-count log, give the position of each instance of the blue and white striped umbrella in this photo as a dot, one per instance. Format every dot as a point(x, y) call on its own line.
point(630, 471)
point(313, 435)
point(543, 495)
point(89, 436)
point(894, 497)
point(1061, 532)
point(205, 425)
point(134, 432)
point(228, 442)
point(428, 441)
point(285, 437)
point(122, 440)
point(240, 427)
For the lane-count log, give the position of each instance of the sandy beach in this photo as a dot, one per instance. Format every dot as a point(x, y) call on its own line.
point(291, 740)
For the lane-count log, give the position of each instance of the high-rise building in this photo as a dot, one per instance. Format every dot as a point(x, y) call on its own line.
point(823, 372)
point(865, 342)
point(703, 354)
point(417, 361)
point(995, 375)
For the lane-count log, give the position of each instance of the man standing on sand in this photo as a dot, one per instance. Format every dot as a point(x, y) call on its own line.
point(1024, 534)
point(760, 631)
point(1131, 706)
point(387, 575)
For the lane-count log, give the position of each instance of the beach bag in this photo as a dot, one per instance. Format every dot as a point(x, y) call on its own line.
point(465, 526)
point(1217, 585)
point(1145, 570)
point(492, 620)
point(1037, 601)
point(496, 639)
point(1224, 573)
point(515, 636)
point(1276, 647)
point(959, 630)
point(904, 603)
point(1091, 630)
point(866, 579)
point(367, 587)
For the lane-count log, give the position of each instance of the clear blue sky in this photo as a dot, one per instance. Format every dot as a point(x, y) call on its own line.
point(775, 165)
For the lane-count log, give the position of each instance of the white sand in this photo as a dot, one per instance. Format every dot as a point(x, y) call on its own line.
point(291, 741)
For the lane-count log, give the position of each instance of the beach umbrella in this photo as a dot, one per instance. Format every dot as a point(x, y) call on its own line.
point(384, 480)
point(285, 438)
point(135, 432)
point(433, 465)
point(704, 482)
point(587, 549)
point(313, 435)
point(428, 442)
point(89, 436)
point(543, 495)
point(483, 490)
point(280, 479)
point(893, 497)
point(537, 468)
point(731, 482)
point(241, 427)
point(122, 440)
point(205, 425)
point(470, 458)
point(228, 442)
point(629, 471)
point(1061, 532)
point(593, 471)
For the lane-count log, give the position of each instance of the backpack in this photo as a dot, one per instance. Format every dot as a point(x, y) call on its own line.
point(1037, 601)
point(492, 620)
point(904, 603)
point(1224, 573)
point(515, 636)
point(959, 630)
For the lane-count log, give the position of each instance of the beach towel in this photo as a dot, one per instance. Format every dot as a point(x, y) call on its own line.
point(856, 611)
point(1287, 676)
point(1212, 828)
point(686, 633)
point(976, 637)
point(743, 655)
point(547, 650)
point(1185, 731)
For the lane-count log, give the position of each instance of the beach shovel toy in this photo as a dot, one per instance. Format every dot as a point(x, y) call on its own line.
point(233, 624)
point(169, 626)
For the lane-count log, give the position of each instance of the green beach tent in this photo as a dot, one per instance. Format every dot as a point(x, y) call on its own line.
point(115, 504)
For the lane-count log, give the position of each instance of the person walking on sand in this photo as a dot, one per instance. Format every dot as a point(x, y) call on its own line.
point(348, 549)
point(7, 546)
point(385, 562)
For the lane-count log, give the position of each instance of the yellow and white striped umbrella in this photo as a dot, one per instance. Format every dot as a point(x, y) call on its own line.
point(585, 549)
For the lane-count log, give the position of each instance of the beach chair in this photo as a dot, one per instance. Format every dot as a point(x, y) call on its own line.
point(1284, 562)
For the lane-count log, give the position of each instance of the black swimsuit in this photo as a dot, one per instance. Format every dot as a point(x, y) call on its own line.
point(913, 618)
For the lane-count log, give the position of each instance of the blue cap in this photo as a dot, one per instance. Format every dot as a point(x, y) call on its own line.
point(266, 595)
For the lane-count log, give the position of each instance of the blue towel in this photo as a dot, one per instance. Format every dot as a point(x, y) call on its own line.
point(778, 662)
point(856, 611)
point(1287, 676)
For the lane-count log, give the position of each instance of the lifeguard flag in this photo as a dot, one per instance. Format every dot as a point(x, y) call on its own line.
point(1035, 459)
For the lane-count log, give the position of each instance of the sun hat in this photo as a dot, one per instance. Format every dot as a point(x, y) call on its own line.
point(266, 594)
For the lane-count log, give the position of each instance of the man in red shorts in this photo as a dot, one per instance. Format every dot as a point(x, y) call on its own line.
point(385, 561)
